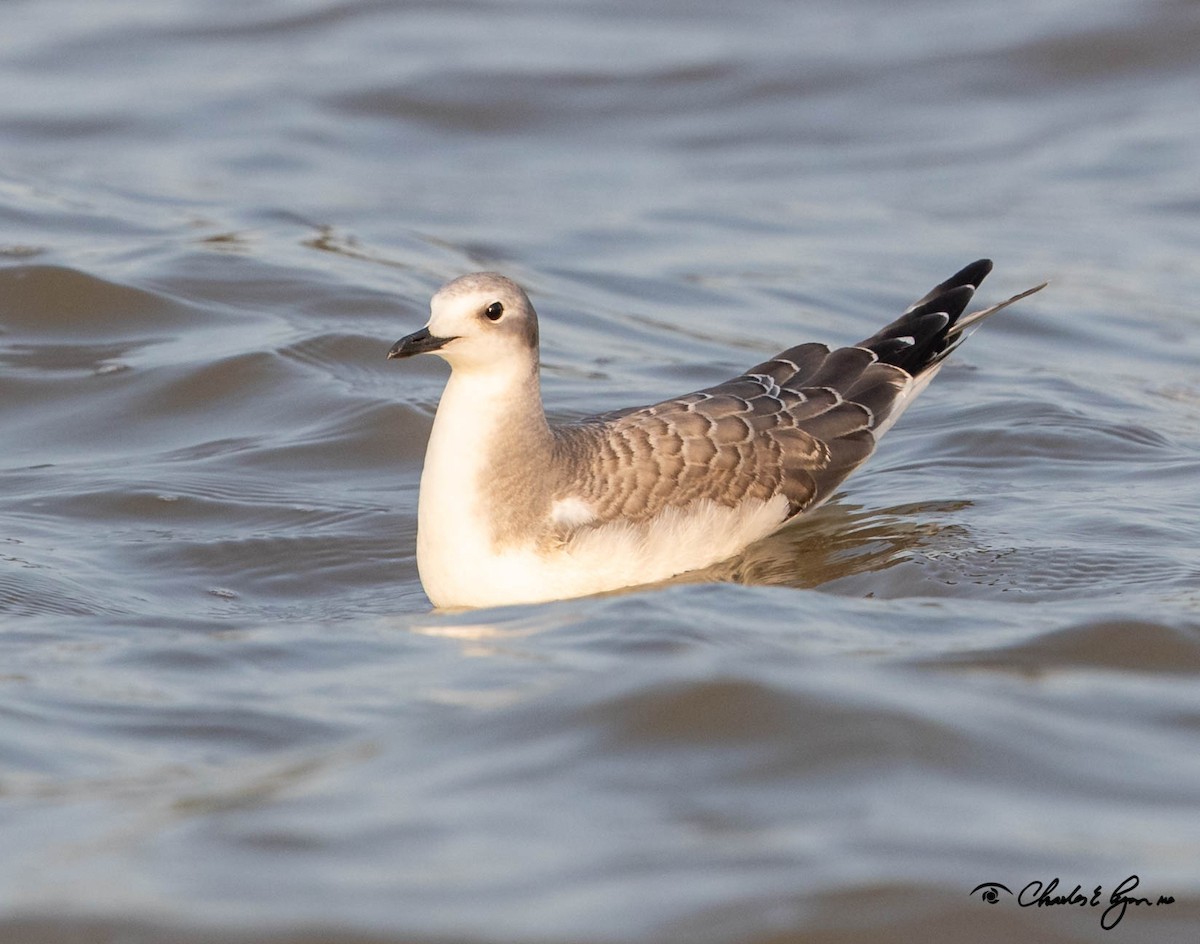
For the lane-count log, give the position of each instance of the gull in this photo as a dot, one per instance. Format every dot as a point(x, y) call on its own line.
point(513, 509)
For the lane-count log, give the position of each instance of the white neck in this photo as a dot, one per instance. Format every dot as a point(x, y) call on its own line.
point(484, 417)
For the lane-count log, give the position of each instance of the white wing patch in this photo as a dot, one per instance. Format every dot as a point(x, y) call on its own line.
point(571, 512)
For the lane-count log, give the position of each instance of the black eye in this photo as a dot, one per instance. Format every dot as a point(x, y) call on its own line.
point(494, 311)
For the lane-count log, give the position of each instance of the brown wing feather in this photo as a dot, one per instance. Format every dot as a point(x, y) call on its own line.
point(752, 437)
point(795, 425)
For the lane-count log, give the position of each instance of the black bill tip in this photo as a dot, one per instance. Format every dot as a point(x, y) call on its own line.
point(419, 342)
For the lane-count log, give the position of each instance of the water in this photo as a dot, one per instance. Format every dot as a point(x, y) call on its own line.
point(226, 711)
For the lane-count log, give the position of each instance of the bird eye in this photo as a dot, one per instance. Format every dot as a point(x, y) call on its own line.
point(494, 311)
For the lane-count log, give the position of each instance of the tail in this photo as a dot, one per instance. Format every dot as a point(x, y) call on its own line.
point(935, 325)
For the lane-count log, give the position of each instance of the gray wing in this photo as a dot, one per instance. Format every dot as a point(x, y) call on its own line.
point(796, 425)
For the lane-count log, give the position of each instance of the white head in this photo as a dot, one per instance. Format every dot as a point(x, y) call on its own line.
point(479, 322)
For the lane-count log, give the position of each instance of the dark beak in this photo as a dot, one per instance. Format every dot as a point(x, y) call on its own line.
point(419, 342)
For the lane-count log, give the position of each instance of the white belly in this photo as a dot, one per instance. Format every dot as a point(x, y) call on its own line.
point(459, 567)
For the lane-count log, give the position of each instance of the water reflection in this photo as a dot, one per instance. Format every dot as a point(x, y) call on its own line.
point(840, 540)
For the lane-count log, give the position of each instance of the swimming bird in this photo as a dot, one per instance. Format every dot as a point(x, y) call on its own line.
point(513, 509)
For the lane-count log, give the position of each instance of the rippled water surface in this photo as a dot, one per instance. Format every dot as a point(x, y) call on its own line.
point(226, 710)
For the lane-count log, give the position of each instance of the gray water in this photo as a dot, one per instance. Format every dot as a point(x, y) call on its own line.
point(227, 712)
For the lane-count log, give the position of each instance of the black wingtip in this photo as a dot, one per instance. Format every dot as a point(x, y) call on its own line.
point(952, 302)
point(929, 322)
point(968, 276)
point(974, 274)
